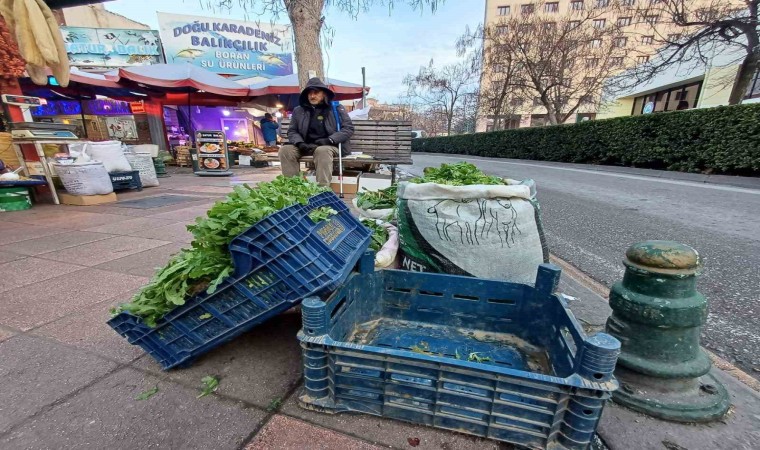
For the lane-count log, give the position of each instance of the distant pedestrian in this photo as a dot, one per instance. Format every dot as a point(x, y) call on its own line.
point(269, 128)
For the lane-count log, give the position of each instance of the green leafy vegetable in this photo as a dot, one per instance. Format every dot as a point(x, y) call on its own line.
point(323, 213)
point(147, 394)
point(475, 357)
point(204, 265)
point(381, 199)
point(210, 384)
point(379, 234)
point(274, 404)
point(459, 174)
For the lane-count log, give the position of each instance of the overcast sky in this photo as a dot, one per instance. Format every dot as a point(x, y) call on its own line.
point(388, 45)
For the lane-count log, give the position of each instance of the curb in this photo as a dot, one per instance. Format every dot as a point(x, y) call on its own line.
point(603, 291)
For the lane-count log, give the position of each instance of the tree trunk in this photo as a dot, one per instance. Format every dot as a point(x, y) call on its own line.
point(744, 78)
point(306, 18)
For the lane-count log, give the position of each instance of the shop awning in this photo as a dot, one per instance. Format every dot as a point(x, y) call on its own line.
point(182, 77)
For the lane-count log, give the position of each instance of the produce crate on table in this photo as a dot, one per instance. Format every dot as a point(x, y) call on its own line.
point(280, 260)
point(500, 360)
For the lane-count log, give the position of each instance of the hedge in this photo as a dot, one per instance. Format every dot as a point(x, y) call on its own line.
point(722, 140)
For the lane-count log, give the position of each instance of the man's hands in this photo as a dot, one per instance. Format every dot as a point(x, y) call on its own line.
point(304, 147)
point(324, 141)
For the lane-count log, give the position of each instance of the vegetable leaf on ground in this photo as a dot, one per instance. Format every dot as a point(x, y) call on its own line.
point(210, 384)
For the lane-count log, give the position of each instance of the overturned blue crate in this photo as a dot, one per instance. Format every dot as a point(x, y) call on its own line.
point(291, 258)
point(494, 359)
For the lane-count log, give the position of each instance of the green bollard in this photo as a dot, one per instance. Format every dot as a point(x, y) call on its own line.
point(657, 315)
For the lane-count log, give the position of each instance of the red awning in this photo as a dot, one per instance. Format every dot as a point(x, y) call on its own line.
point(183, 76)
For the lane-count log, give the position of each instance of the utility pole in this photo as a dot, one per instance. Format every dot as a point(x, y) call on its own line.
point(364, 88)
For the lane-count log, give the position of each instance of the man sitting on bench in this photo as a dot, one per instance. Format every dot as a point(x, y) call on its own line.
point(314, 132)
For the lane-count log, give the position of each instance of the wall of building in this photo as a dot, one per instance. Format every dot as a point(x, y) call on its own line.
point(96, 16)
point(719, 82)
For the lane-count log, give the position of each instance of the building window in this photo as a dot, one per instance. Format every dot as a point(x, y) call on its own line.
point(592, 62)
point(624, 21)
point(654, 2)
point(502, 30)
point(551, 7)
point(526, 27)
point(596, 43)
point(527, 9)
point(589, 81)
point(503, 10)
point(550, 26)
point(620, 42)
point(753, 90)
point(574, 24)
point(642, 59)
point(647, 40)
point(498, 68)
point(537, 101)
point(516, 101)
point(496, 86)
point(616, 61)
point(629, 2)
point(651, 20)
point(576, 5)
point(673, 99)
point(600, 23)
point(674, 37)
point(602, 3)
point(586, 99)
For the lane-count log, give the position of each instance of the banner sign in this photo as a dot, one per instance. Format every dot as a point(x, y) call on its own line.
point(227, 46)
point(111, 47)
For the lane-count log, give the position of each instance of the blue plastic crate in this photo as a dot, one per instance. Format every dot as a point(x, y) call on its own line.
point(301, 259)
point(495, 359)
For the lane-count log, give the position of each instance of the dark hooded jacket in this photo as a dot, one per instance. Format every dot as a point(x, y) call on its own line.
point(304, 129)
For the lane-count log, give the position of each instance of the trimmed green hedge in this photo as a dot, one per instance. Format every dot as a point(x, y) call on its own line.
point(713, 140)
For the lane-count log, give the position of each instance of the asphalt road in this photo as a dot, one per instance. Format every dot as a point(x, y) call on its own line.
point(592, 217)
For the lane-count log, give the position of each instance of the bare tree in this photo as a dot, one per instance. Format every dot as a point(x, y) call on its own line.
point(308, 22)
point(557, 61)
point(690, 32)
point(442, 89)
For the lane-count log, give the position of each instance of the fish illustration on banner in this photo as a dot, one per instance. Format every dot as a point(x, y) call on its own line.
point(111, 47)
point(226, 46)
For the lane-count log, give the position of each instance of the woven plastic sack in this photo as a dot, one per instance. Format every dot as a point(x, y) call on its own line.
point(485, 231)
point(143, 163)
point(85, 179)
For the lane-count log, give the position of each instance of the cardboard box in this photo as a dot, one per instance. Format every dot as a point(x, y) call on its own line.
point(350, 181)
point(374, 182)
point(86, 200)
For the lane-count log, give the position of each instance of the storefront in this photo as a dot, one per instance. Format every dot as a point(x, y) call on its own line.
point(100, 119)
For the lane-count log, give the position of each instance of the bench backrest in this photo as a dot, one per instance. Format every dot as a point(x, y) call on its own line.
point(389, 140)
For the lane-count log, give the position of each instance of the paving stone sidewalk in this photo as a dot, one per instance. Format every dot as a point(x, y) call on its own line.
point(72, 382)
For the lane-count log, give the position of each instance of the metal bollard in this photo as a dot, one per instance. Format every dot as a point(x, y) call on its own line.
point(657, 315)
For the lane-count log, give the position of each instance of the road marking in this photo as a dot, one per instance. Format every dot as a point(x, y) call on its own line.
point(617, 175)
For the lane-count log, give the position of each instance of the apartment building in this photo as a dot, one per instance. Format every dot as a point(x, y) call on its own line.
point(639, 39)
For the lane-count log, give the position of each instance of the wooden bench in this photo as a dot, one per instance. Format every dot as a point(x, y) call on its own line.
point(388, 142)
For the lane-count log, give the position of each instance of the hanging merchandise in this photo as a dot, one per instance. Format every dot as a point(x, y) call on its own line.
point(11, 62)
point(39, 39)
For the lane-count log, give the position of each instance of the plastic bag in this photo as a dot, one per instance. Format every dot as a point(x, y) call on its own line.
point(110, 153)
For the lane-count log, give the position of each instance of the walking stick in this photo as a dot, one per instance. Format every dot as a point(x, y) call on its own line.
point(340, 147)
